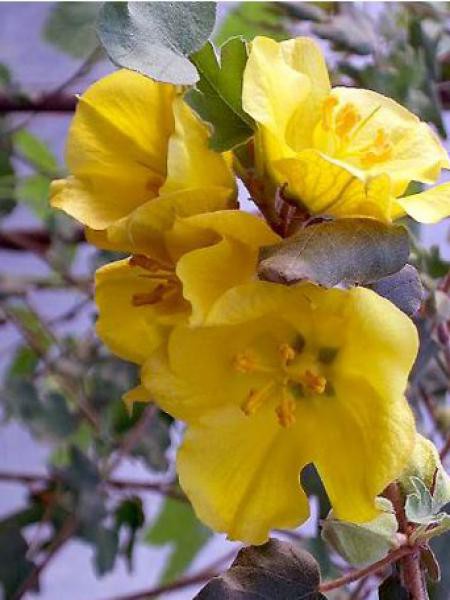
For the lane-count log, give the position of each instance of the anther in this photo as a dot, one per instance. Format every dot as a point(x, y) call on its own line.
point(315, 383)
point(149, 298)
point(346, 119)
point(327, 111)
point(244, 362)
point(286, 410)
point(287, 353)
point(255, 399)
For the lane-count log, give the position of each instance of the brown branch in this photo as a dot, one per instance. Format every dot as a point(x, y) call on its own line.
point(132, 438)
point(33, 240)
point(373, 569)
point(56, 103)
point(411, 572)
point(200, 577)
point(446, 449)
point(115, 483)
point(63, 536)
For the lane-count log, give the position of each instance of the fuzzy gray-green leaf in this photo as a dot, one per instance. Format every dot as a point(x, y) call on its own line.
point(346, 251)
point(156, 38)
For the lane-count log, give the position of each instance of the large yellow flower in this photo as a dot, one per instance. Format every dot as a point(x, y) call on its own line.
point(341, 151)
point(134, 142)
point(281, 377)
point(142, 297)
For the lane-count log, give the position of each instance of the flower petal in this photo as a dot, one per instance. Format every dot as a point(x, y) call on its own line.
point(191, 164)
point(417, 153)
point(325, 186)
point(359, 441)
point(430, 206)
point(121, 323)
point(272, 88)
point(242, 475)
point(116, 153)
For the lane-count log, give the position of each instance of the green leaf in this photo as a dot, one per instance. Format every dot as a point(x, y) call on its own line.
point(404, 289)
point(329, 253)
point(71, 27)
point(361, 544)
point(250, 19)
point(34, 191)
point(177, 525)
point(155, 38)
point(35, 151)
point(14, 564)
point(419, 504)
point(106, 543)
point(273, 570)
point(218, 94)
point(130, 516)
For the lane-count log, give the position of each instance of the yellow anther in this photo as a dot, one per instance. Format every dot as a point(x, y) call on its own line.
point(244, 362)
point(255, 399)
point(346, 119)
point(149, 298)
point(286, 410)
point(327, 111)
point(379, 151)
point(287, 353)
point(314, 383)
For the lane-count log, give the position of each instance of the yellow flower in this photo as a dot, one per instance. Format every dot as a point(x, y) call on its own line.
point(340, 151)
point(142, 297)
point(281, 377)
point(134, 142)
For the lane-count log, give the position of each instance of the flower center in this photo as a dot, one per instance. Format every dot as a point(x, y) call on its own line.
point(345, 122)
point(296, 375)
point(165, 282)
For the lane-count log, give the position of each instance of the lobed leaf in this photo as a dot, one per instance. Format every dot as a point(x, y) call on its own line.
point(156, 38)
point(177, 525)
point(346, 251)
point(217, 97)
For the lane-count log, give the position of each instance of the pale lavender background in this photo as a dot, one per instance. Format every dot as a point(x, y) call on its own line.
point(38, 66)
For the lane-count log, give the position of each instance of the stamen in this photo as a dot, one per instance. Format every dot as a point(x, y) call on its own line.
point(255, 399)
point(315, 383)
point(346, 119)
point(379, 151)
point(327, 111)
point(287, 354)
point(149, 298)
point(286, 410)
point(244, 362)
point(150, 264)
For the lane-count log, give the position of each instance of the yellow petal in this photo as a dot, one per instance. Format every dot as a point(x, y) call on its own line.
point(389, 357)
point(132, 332)
point(242, 475)
point(115, 151)
point(272, 88)
point(325, 186)
point(207, 273)
point(145, 230)
point(417, 153)
point(191, 164)
point(430, 206)
point(364, 442)
point(136, 394)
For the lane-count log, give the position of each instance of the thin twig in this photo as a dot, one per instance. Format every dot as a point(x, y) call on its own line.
point(373, 569)
point(63, 536)
point(202, 576)
point(114, 482)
